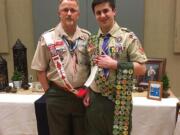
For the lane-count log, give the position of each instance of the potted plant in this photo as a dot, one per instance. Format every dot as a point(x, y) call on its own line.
point(166, 86)
point(17, 79)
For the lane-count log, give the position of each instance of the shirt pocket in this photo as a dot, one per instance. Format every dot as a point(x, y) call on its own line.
point(82, 55)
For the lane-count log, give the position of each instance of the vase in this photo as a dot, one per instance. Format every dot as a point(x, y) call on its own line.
point(17, 84)
point(165, 94)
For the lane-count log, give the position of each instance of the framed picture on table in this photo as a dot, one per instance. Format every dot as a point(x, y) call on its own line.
point(154, 90)
point(155, 69)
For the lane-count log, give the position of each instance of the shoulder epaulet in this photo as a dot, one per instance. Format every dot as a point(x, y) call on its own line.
point(49, 31)
point(129, 32)
point(86, 32)
point(125, 29)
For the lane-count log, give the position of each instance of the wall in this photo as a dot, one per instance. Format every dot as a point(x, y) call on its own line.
point(4, 47)
point(159, 37)
point(45, 16)
point(18, 14)
point(177, 28)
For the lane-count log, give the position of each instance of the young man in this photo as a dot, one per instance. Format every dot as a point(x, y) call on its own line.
point(62, 67)
point(118, 55)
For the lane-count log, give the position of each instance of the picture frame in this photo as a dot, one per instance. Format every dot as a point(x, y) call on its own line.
point(155, 69)
point(154, 90)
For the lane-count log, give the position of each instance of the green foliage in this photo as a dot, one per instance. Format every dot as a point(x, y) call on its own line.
point(17, 76)
point(165, 81)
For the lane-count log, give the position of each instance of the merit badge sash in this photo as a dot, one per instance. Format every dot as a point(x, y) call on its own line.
point(119, 92)
point(53, 46)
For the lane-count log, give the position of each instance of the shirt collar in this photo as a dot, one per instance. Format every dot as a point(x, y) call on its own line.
point(112, 32)
point(59, 32)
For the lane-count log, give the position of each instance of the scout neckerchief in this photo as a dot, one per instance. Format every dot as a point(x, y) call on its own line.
point(52, 46)
point(119, 92)
point(72, 47)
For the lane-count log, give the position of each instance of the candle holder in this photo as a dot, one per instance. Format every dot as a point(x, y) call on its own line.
point(20, 62)
point(4, 83)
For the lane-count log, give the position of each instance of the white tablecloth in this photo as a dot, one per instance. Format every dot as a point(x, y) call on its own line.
point(151, 117)
point(17, 115)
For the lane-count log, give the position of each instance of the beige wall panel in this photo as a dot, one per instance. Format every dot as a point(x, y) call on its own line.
point(177, 28)
point(3, 28)
point(159, 37)
point(19, 22)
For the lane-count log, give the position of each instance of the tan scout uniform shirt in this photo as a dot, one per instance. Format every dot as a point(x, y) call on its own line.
point(123, 46)
point(42, 59)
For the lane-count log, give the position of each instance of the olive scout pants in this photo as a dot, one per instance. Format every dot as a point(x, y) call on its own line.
point(65, 112)
point(99, 115)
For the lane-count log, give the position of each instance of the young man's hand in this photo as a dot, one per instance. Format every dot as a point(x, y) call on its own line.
point(105, 61)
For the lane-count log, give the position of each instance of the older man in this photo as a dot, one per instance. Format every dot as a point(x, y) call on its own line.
point(62, 66)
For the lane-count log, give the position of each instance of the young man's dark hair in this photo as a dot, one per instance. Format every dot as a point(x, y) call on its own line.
point(97, 2)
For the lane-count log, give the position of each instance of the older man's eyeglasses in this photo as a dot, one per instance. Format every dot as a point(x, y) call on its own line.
point(72, 10)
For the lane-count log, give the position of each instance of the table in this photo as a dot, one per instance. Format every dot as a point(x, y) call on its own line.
point(17, 114)
point(149, 117)
point(152, 117)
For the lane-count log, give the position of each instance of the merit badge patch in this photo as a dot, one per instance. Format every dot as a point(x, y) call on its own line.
point(52, 49)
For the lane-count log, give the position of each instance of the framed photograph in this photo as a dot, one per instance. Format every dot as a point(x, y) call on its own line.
point(155, 69)
point(154, 90)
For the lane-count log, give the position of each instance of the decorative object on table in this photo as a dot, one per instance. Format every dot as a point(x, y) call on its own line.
point(155, 69)
point(166, 86)
point(37, 87)
point(154, 90)
point(17, 79)
point(4, 83)
point(135, 86)
point(20, 62)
